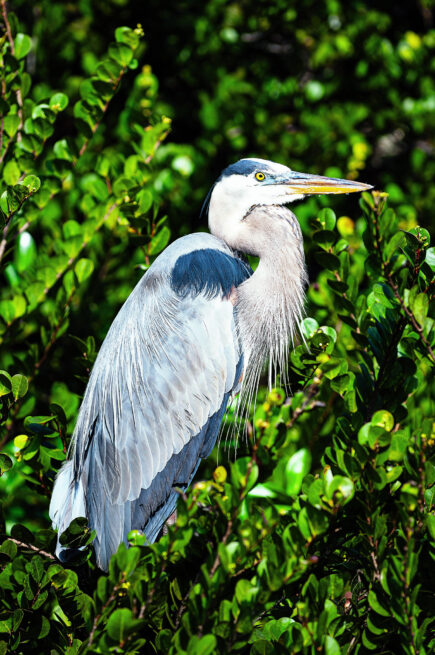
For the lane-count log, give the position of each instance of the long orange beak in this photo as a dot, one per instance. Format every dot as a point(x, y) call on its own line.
point(303, 183)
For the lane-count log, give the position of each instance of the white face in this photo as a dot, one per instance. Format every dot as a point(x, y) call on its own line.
point(260, 187)
point(235, 194)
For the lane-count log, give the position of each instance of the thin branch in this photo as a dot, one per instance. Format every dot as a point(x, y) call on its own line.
point(7, 25)
point(12, 46)
point(53, 336)
point(234, 514)
point(411, 317)
point(158, 144)
point(308, 403)
point(111, 598)
point(97, 124)
point(21, 544)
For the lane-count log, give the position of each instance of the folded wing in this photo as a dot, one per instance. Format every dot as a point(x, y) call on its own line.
point(155, 398)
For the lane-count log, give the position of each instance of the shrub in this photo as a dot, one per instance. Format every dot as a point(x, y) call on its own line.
point(320, 535)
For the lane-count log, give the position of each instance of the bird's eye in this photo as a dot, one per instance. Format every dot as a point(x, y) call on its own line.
point(260, 176)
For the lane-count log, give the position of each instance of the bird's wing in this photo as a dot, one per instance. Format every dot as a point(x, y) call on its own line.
point(155, 399)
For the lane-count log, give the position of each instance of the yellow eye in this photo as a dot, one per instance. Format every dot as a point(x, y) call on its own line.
point(260, 176)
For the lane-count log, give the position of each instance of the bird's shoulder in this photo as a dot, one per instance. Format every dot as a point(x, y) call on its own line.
point(199, 263)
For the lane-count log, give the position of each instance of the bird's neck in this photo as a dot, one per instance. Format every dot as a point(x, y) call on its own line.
point(271, 302)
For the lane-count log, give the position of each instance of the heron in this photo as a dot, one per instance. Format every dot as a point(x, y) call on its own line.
point(197, 330)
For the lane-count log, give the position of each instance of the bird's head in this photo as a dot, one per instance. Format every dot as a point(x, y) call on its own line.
point(252, 183)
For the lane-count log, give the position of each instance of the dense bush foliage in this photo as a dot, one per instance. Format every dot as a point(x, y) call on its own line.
point(320, 535)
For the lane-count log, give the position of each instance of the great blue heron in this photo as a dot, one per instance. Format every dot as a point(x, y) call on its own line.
point(198, 326)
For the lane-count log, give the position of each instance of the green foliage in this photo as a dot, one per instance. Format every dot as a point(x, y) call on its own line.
point(320, 535)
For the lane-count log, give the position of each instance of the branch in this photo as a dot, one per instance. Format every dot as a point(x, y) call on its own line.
point(411, 317)
point(111, 598)
point(308, 403)
point(234, 514)
point(98, 123)
point(12, 46)
point(52, 337)
point(31, 547)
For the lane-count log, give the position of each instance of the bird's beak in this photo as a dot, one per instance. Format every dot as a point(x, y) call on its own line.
point(304, 184)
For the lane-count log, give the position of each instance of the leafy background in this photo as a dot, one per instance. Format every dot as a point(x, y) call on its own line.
point(319, 536)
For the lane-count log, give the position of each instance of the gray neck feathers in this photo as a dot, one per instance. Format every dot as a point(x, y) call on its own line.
point(270, 303)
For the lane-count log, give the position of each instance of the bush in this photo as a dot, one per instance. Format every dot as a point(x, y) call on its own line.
point(320, 535)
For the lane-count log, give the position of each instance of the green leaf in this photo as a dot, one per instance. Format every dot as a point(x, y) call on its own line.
point(5, 463)
point(296, 469)
point(327, 219)
point(22, 45)
point(205, 645)
point(21, 441)
point(430, 522)
point(159, 241)
point(19, 385)
point(25, 252)
point(32, 183)
point(421, 234)
point(420, 307)
point(397, 241)
point(398, 446)
point(36, 568)
point(121, 53)
point(11, 123)
point(128, 36)
point(376, 605)
point(312, 522)
point(11, 172)
point(121, 624)
point(325, 238)
point(383, 419)
point(45, 624)
point(9, 548)
point(339, 489)
point(331, 646)
point(328, 260)
point(309, 327)
point(58, 102)
point(430, 258)
point(40, 425)
point(5, 383)
point(245, 592)
point(83, 269)
point(145, 200)
point(96, 186)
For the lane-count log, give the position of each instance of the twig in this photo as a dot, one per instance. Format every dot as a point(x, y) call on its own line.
point(7, 26)
point(411, 317)
point(105, 606)
point(12, 46)
point(158, 144)
point(307, 404)
point(31, 547)
point(234, 514)
point(53, 336)
point(97, 124)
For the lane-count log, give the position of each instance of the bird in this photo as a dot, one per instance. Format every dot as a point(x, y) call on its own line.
point(198, 329)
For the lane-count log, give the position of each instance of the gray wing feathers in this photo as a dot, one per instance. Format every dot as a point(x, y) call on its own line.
point(164, 369)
